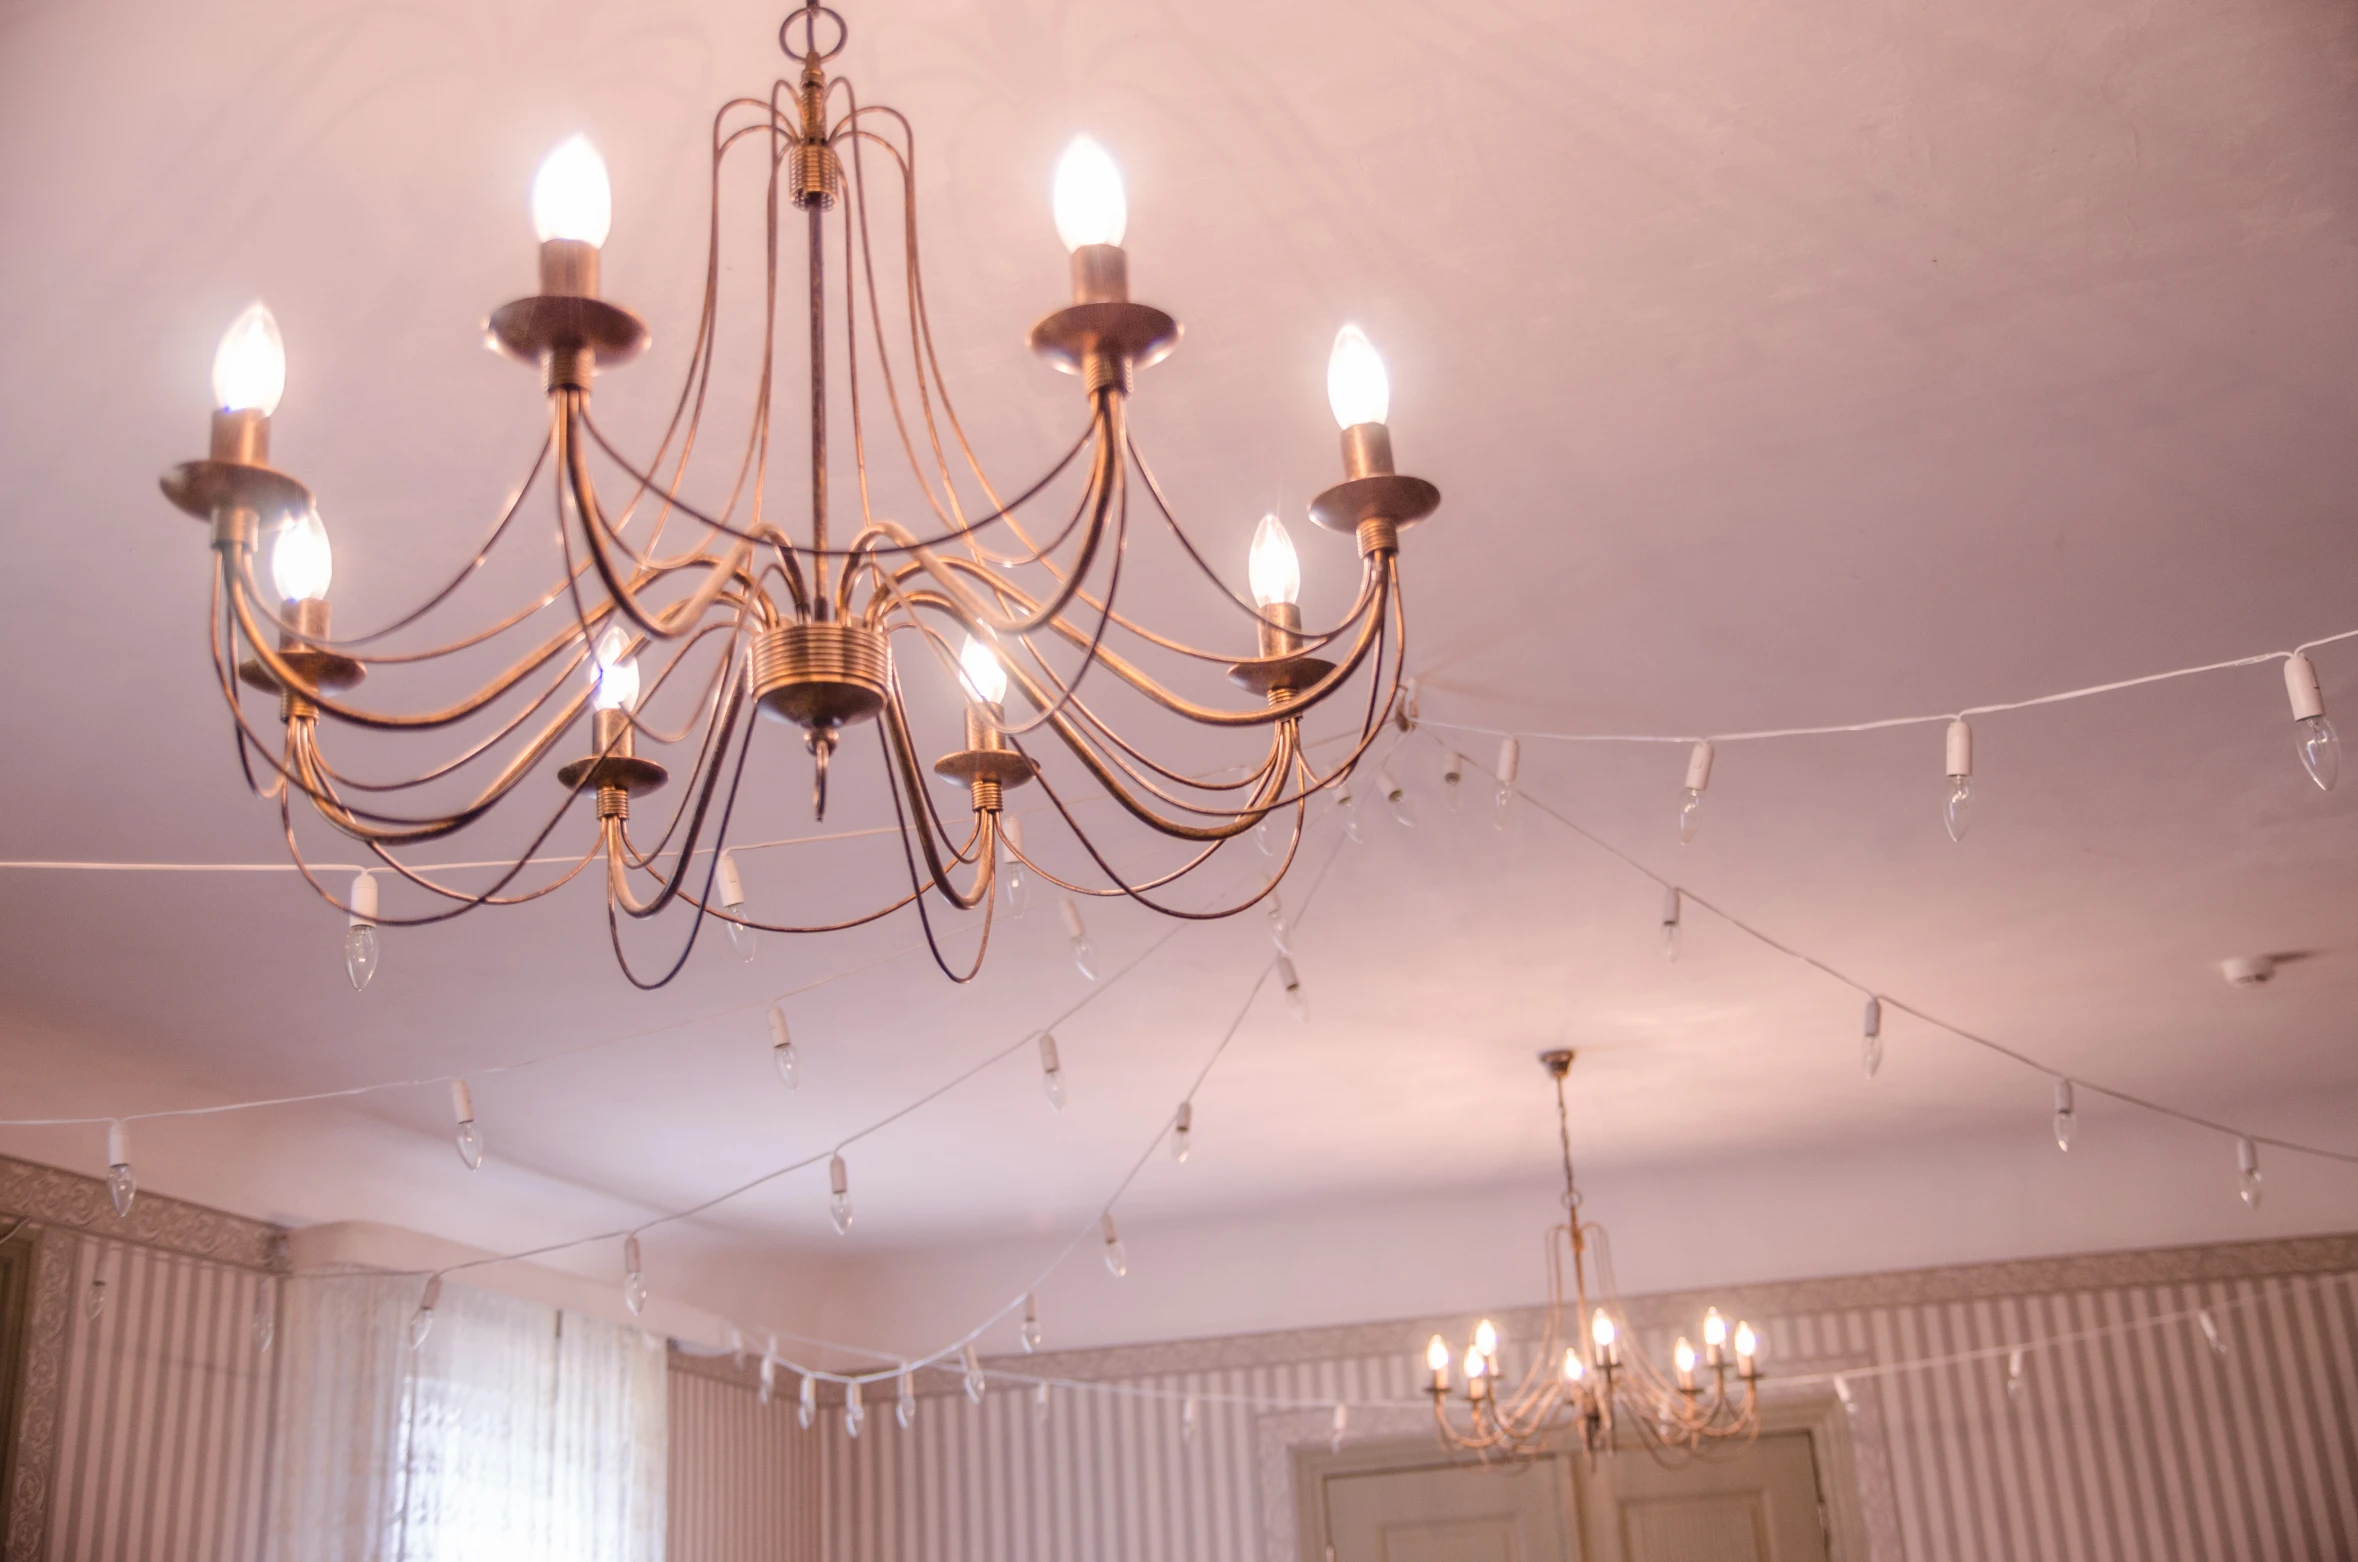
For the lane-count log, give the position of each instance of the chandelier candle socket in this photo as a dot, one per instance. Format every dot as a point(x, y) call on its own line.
point(782, 1049)
point(826, 613)
point(1698, 780)
point(2321, 748)
point(466, 1136)
point(1957, 812)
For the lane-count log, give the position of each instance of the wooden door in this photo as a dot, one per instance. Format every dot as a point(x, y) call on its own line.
point(1747, 1503)
point(1452, 1513)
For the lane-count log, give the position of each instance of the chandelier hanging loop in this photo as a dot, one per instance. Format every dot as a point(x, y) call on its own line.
point(684, 560)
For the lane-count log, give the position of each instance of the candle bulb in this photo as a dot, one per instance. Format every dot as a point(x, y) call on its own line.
point(1747, 1347)
point(1682, 1356)
point(1600, 1329)
point(1437, 1362)
point(1715, 1337)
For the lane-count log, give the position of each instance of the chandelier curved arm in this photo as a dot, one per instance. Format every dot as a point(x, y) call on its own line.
point(917, 885)
point(1138, 892)
point(902, 755)
point(470, 900)
point(613, 827)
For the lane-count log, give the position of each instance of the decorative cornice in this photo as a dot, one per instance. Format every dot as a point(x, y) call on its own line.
point(50, 1197)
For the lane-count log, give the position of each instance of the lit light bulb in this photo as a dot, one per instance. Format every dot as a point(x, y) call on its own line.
point(1296, 1001)
point(1281, 932)
point(1084, 953)
point(634, 1282)
point(1453, 775)
point(839, 1207)
point(1670, 925)
point(1019, 888)
point(904, 1408)
point(1403, 805)
point(1031, 1324)
point(806, 1402)
point(466, 1135)
point(732, 899)
point(2067, 1121)
point(1715, 1329)
point(421, 1322)
point(1273, 567)
point(1348, 812)
point(1747, 1344)
point(1957, 813)
point(1117, 1258)
point(250, 365)
point(1574, 1368)
point(1682, 1356)
point(1437, 1354)
point(975, 1382)
point(1040, 1404)
point(1486, 1338)
point(615, 671)
point(1600, 1329)
point(571, 198)
point(2321, 749)
point(2247, 1165)
point(1698, 778)
point(1182, 1131)
point(1090, 205)
point(782, 1051)
point(122, 1185)
point(360, 932)
point(1871, 1038)
point(980, 670)
point(301, 561)
point(1510, 765)
point(1051, 1071)
point(855, 1408)
point(1357, 388)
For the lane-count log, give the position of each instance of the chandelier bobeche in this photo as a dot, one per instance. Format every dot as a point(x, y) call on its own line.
point(812, 631)
point(1609, 1394)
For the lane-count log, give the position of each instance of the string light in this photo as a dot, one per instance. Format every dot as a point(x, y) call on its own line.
point(1342, 1421)
point(855, 1411)
point(2067, 1121)
point(806, 1404)
point(1031, 1323)
point(839, 1207)
point(1117, 1260)
point(421, 1322)
point(1698, 780)
point(1182, 1127)
point(2321, 749)
point(466, 1136)
point(732, 899)
point(1842, 1392)
point(94, 1298)
point(1405, 712)
point(975, 1384)
point(2014, 1374)
point(1187, 1421)
point(1295, 1000)
point(1670, 924)
point(1871, 1038)
point(1453, 775)
point(1084, 954)
point(769, 1369)
point(1957, 813)
point(360, 932)
point(1281, 933)
point(1510, 764)
point(1051, 1071)
point(1040, 1404)
point(2210, 1332)
point(782, 1051)
point(904, 1408)
point(2247, 1164)
point(1347, 812)
point(634, 1284)
point(1019, 888)
point(1403, 806)
point(122, 1184)
point(265, 1316)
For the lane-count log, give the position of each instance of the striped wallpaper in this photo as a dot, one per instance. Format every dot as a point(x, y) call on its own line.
point(743, 1474)
point(2140, 1445)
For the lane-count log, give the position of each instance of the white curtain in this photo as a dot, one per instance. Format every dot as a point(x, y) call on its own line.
point(518, 1434)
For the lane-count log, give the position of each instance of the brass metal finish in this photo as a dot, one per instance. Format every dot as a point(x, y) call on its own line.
point(615, 771)
point(821, 676)
point(200, 488)
point(530, 328)
point(326, 671)
point(1101, 274)
point(1557, 1062)
point(1401, 500)
point(986, 761)
point(1137, 333)
point(1280, 680)
point(242, 438)
point(1367, 450)
point(568, 268)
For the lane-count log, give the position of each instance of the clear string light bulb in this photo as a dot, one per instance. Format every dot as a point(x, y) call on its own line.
point(1850, 1404)
point(2247, 1172)
point(975, 1383)
point(1084, 953)
point(1871, 1038)
point(1403, 805)
point(769, 1370)
point(1040, 1404)
point(122, 1184)
point(839, 1206)
point(1019, 888)
point(1182, 1132)
point(1337, 1427)
point(2321, 748)
point(1187, 1421)
point(250, 365)
point(1670, 924)
point(1117, 1258)
point(634, 1281)
point(2067, 1121)
point(360, 932)
point(1957, 813)
point(1347, 811)
point(732, 899)
point(782, 1051)
point(855, 1408)
point(1510, 766)
point(1031, 1324)
point(904, 1408)
point(301, 560)
point(1281, 932)
point(466, 1136)
point(1051, 1071)
point(806, 1402)
point(421, 1322)
point(1297, 1002)
point(1690, 808)
point(2014, 1374)
point(1453, 776)
point(265, 1317)
point(2210, 1332)
point(94, 1295)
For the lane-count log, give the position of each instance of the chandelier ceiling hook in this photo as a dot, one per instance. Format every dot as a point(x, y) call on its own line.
point(809, 16)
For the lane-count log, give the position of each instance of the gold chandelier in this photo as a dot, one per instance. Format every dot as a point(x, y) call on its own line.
point(1607, 1387)
point(742, 619)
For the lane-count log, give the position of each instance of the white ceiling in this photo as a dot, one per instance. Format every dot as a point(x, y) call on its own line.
point(1812, 363)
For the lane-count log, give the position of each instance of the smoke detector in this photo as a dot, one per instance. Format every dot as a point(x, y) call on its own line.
point(2248, 970)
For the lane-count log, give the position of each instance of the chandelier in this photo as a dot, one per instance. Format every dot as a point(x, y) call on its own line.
point(824, 626)
point(1610, 1386)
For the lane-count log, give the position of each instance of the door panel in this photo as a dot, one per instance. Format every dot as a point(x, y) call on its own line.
point(1452, 1513)
point(1755, 1503)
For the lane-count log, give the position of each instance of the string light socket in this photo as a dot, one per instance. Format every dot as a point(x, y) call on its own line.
point(975, 1382)
point(1670, 924)
point(360, 931)
point(806, 1402)
point(2067, 1121)
point(1957, 813)
point(782, 1053)
point(1403, 805)
point(1871, 1038)
point(1031, 1324)
point(2321, 748)
point(466, 1136)
point(1084, 953)
point(1690, 806)
point(839, 1205)
point(855, 1409)
point(732, 899)
point(1182, 1130)
point(1510, 765)
point(421, 1322)
point(634, 1282)
point(1051, 1071)
point(2247, 1172)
